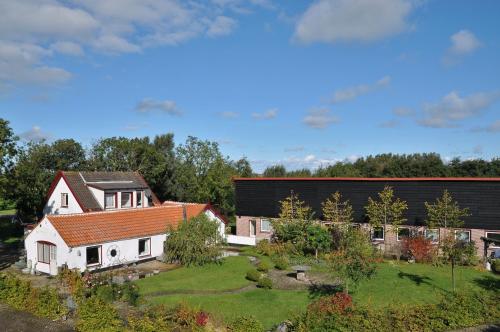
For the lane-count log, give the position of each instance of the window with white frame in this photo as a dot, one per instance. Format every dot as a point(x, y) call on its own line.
point(110, 200)
point(138, 198)
point(126, 200)
point(378, 233)
point(462, 235)
point(144, 247)
point(46, 252)
point(265, 225)
point(494, 236)
point(94, 255)
point(432, 234)
point(64, 200)
point(403, 232)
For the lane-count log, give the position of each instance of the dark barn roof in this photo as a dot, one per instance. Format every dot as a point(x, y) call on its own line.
point(260, 196)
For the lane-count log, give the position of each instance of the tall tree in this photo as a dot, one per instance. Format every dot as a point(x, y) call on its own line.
point(276, 171)
point(8, 150)
point(387, 210)
point(337, 210)
point(243, 168)
point(445, 212)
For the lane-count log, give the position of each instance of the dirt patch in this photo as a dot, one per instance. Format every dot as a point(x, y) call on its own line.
point(12, 320)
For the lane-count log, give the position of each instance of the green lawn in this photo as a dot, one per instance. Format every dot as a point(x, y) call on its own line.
point(393, 284)
point(7, 212)
point(10, 233)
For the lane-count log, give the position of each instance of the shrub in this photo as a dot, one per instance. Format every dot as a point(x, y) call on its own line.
point(469, 255)
point(202, 318)
point(264, 247)
point(105, 293)
point(281, 262)
point(495, 265)
point(93, 314)
point(184, 315)
point(48, 304)
point(152, 320)
point(246, 324)
point(264, 266)
point(419, 248)
point(265, 282)
point(253, 275)
point(129, 293)
point(338, 303)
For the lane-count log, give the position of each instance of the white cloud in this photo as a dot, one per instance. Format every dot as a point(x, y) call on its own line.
point(68, 48)
point(35, 134)
point(330, 21)
point(362, 89)
point(463, 43)
point(221, 26)
point(267, 115)
point(403, 111)
point(319, 118)
point(491, 128)
point(452, 108)
point(229, 115)
point(167, 106)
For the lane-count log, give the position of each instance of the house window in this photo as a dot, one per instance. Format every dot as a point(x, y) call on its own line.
point(144, 247)
point(139, 198)
point(494, 236)
point(403, 232)
point(378, 233)
point(432, 234)
point(126, 200)
point(46, 252)
point(110, 200)
point(64, 200)
point(462, 235)
point(265, 225)
point(94, 255)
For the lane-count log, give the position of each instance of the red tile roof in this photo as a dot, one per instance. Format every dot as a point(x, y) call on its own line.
point(99, 227)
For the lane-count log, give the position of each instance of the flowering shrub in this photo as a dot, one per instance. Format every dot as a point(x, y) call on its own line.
point(340, 303)
point(201, 318)
point(419, 248)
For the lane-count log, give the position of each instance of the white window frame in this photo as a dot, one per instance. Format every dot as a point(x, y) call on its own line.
point(397, 233)
point(139, 198)
point(376, 238)
point(115, 196)
point(268, 230)
point(131, 200)
point(486, 235)
point(46, 251)
point(64, 200)
point(147, 246)
point(432, 229)
point(465, 231)
point(99, 256)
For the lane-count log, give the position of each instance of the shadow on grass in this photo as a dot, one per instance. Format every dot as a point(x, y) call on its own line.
point(489, 283)
point(319, 290)
point(416, 278)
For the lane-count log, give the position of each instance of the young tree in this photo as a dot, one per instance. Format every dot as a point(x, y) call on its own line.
point(445, 212)
point(195, 242)
point(354, 259)
point(388, 210)
point(454, 250)
point(336, 210)
point(318, 238)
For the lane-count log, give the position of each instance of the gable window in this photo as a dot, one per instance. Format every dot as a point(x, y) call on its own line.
point(461, 235)
point(138, 198)
point(64, 200)
point(46, 252)
point(94, 255)
point(494, 236)
point(126, 200)
point(110, 200)
point(144, 247)
point(432, 234)
point(265, 225)
point(378, 233)
point(403, 232)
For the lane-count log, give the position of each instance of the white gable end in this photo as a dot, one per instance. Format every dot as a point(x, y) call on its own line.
point(55, 202)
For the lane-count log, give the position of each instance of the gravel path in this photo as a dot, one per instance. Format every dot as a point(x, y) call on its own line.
point(12, 320)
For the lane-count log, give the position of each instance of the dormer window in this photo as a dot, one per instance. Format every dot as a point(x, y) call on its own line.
point(139, 198)
point(64, 200)
point(126, 200)
point(110, 201)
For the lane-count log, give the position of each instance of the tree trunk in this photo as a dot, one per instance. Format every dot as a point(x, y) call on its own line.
point(316, 253)
point(347, 286)
point(453, 274)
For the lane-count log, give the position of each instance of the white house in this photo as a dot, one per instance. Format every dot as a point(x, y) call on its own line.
point(97, 240)
point(79, 192)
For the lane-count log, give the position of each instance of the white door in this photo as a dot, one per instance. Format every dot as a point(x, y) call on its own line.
point(253, 227)
point(53, 260)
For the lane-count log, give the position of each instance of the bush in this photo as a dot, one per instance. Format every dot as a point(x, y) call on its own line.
point(246, 324)
point(105, 293)
point(469, 257)
point(495, 265)
point(339, 303)
point(281, 262)
point(265, 282)
point(419, 248)
point(253, 275)
point(264, 247)
point(93, 314)
point(264, 266)
point(129, 293)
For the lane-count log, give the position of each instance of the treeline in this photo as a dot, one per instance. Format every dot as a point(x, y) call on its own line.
point(395, 165)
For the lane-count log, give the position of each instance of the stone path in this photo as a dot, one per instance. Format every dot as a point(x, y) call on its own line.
point(12, 320)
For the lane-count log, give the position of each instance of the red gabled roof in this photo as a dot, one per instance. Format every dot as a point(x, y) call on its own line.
point(369, 179)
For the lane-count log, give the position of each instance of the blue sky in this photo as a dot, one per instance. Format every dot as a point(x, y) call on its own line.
point(302, 83)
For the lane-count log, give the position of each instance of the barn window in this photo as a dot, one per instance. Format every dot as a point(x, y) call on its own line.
point(378, 233)
point(144, 247)
point(495, 236)
point(110, 200)
point(432, 234)
point(461, 235)
point(265, 225)
point(93, 255)
point(64, 200)
point(46, 252)
point(403, 232)
point(126, 200)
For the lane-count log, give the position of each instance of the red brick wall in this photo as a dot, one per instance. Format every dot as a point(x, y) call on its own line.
point(243, 227)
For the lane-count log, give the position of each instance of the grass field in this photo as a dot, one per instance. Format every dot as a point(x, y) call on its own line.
point(394, 283)
point(10, 233)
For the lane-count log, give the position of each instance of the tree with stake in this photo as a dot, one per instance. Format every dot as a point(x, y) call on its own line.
point(337, 211)
point(445, 212)
point(318, 238)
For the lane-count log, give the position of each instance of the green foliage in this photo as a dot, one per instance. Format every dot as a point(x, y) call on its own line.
point(318, 238)
point(8, 151)
point(253, 275)
point(246, 324)
point(105, 293)
point(264, 247)
point(93, 314)
point(243, 168)
point(281, 262)
point(275, 171)
point(455, 252)
point(195, 242)
point(386, 210)
point(445, 212)
point(336, 210)
point(265, 283)
point(264, 266)
point(495, 265)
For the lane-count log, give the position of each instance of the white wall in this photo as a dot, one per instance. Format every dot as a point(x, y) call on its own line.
point(222, 226)
point(98, 195)
point(53, 205)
